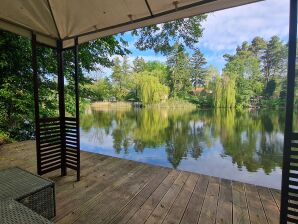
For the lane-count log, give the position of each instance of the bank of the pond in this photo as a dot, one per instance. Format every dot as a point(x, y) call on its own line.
point(111, 105)
point(128, 105)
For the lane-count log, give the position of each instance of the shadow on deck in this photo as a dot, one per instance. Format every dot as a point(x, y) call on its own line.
point(115, 190)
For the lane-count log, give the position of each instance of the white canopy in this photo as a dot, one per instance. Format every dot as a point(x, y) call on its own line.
point(51, 20)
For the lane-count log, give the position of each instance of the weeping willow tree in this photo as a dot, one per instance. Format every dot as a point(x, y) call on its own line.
point(229, 96)
point(224, 91)
point(149, 88)
point(217, 92)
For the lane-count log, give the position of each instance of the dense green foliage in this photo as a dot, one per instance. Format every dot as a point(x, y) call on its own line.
point(153, 81)
point(198, 73)
point(4, 138)
point(162, 38)
point(16, 80)
point(254, 76)
point(148, 87)
point(256, 72)
point(179, 72)
point(143, 82)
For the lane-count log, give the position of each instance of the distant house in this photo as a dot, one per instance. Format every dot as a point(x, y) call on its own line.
point(200, 90)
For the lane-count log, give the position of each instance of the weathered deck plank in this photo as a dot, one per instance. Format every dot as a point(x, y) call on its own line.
point(276, 195)
point(147, 208)
point(179, 206)
point(94, 185)
point(115, 190)
point(256, 211)
point(166, 202)
point(208, 213)
point(100, 209)
point(193, 210)
point(135, 204)
point(86, 209)
point(240, 207)
point(224, 213)
point(269, 205)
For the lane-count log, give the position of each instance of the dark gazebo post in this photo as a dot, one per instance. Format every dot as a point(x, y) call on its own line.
point(60, 62)
point(57, 138)
point(36, 101)
point(76, 69)
point(289, 136)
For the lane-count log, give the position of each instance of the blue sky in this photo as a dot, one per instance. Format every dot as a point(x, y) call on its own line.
point(224, 30)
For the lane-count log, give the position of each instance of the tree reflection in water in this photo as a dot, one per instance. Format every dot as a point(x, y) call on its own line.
point(253, 139)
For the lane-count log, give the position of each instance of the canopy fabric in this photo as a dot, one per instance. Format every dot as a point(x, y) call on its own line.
point(53, 20)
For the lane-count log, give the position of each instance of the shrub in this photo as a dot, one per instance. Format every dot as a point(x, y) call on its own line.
point(4, 138)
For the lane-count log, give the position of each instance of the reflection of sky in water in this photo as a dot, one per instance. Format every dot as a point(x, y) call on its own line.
point(211, 162)
point(214, 160)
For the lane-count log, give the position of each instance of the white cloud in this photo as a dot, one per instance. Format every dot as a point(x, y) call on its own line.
point(226, 29)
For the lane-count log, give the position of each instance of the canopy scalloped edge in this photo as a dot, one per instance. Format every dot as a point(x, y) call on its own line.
point(54, 26)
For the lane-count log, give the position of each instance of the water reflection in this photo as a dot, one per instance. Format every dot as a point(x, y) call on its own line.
point(245, 146)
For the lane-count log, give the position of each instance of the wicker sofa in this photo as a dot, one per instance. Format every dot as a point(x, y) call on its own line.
point(32, 191)
point(13, 212)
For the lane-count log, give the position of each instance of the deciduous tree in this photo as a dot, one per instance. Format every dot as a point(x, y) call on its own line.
point(162, 37)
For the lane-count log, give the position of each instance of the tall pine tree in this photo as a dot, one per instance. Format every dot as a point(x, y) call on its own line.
point(179, 72)
point(198, 72)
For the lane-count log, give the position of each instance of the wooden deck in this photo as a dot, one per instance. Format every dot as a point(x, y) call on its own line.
point(115, 190)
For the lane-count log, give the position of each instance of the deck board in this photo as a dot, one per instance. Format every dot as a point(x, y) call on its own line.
point(147, 208)
point(269, 205)
point(114, 190)
point(180, 204)
point(111, 201)
point(276, 196)
point(166, 202)
point(224, 213)
point(255, 207)
point(208, 213)
point(193, 209)
point(135, 204)
point(240, 207)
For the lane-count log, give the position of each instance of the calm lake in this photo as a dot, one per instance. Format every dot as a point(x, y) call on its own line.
point(244, 146)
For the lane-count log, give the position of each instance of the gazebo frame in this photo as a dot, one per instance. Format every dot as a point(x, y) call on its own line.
point(58, 138)
point(289, 194)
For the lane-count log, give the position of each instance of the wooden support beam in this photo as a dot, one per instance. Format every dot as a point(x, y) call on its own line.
point(36, 100)
point(289, 113)
point(60, 62)
point(77, 94)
